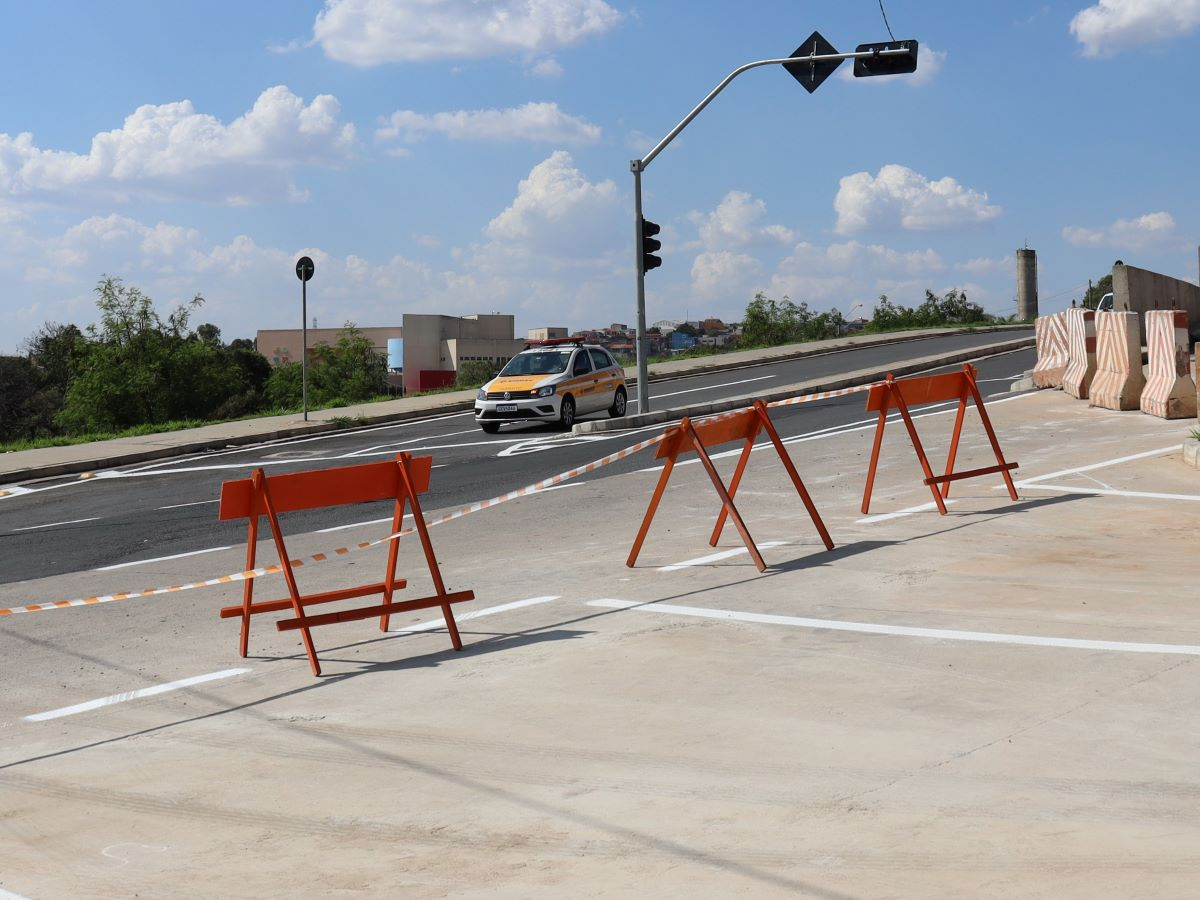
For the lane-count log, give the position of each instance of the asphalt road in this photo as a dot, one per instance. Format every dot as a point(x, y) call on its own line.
point(149, 511)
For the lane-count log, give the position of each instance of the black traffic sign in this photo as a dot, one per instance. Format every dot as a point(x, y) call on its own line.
point(811, 74)
point(305, 268)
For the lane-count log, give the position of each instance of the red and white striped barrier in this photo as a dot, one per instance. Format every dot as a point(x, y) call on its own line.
point(1081, 350)
point(1170, 392)
point(1119, 378)
point(1052, 356)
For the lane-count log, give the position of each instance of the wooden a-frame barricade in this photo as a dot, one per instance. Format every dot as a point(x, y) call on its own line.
point(902, 394)
point(689, 436)
point(401, 480)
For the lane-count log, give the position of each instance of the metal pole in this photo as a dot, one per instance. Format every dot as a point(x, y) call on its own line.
point(637, 166)
point(643, 377)
point(304, 346)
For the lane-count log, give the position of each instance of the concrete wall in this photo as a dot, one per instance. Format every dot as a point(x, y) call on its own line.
point(282, 345)
point(1138, 290)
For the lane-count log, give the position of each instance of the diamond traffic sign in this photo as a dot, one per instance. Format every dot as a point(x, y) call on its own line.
point(811, 74)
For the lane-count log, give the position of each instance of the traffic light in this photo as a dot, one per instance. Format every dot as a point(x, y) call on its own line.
point(650, 246)
point(899, 64)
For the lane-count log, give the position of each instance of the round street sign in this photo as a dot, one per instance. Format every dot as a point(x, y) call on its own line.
point(305, 268)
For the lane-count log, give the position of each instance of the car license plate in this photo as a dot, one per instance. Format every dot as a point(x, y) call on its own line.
point(506, 407)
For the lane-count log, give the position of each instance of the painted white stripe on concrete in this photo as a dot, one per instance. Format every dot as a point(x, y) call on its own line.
point(56, 524)
point(473, 614)
point(1174, 448)
point(901, 513)
point(716, 557)
point(1109, 492)
point(146, 562)
point(193, 503)
point(134, 695)
point(940, 634)
point(358, 524)
point(9, 895)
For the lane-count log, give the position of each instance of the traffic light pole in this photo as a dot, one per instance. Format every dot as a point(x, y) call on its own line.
point(638, 166)
point(643, 377)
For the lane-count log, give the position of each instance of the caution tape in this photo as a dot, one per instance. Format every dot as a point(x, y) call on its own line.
point(439, 520)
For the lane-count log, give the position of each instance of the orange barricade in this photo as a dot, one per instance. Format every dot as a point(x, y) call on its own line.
point(401, 480)
point(689, 437)
point(900, 395)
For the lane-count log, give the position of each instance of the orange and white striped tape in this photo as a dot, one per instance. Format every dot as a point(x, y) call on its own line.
point(439, 520)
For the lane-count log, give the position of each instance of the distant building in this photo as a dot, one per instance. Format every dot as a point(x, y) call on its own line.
point(435, 346)
point(545, 334)
point(666, 326)
point(282, 345)
point(681, 341)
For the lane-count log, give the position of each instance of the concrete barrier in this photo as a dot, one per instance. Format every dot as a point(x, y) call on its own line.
point(1081, 349)
point(1170, 392)
point(1119, 379)
point(1052, 355)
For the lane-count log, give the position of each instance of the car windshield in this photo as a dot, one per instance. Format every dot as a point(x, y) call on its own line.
point(544, 362)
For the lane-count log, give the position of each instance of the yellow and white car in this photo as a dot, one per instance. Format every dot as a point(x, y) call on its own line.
point(552, 381)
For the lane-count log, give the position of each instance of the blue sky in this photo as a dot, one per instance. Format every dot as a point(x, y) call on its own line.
point(464, 156)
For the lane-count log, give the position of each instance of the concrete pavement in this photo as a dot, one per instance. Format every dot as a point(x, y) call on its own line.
point(30, 464)
point(994, 703)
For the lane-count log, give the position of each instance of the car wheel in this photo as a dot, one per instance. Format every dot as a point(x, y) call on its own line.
point(566, 413)
point(489, 427)
point(619, 402)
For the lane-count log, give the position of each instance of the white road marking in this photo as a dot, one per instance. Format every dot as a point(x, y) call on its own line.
point(712, 387)
point(716, 557)
point(1108, 492)
point(193, 503)
point(1174, 448)
point(358, 524)
point(9, 895)
point(474, 614)
point(900, 513)
point(146, 562)
point(133, 695)
point(985, 637)
point(56, 524)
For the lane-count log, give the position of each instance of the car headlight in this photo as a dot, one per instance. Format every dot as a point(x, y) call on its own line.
point(544, 391)
point(481, 394)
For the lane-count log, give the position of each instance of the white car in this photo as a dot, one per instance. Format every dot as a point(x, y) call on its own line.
point(552, 381)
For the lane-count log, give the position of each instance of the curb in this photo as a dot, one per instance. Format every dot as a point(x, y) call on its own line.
point(853, 379)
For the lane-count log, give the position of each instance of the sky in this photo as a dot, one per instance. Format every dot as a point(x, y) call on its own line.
point(472, 156)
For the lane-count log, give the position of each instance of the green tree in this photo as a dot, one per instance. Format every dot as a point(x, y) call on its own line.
point(349, 371)
point(474, 372)
point(26, 407)
point(136, 367)
point(768, 322)
point(1091, 297)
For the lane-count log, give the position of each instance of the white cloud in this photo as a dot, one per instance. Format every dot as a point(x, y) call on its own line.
point(720, 274)
point(1140, 233)
point(983, 265)
point(930, 62)
point(372, 32)
point(899, 198)
point(1114, 25)
point(547, 67)
point(735, 223)
point(844, 274)
point(173, 152)
point(542, 122)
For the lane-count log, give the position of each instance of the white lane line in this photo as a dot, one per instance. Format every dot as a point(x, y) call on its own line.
point(716, 557)
point(1100, 465)
point(1108, 492)
point(133, 695)
point(559, 487)
point(900, 513)
point(193, 503)
point(146, 562)
point(357, 524)
point(474, 614)
point(711, 387)
point(985, 637)
point(56, 524)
